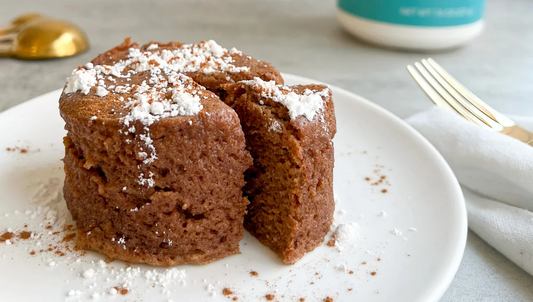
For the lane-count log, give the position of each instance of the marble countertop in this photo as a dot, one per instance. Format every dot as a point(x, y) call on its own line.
point(303, 37)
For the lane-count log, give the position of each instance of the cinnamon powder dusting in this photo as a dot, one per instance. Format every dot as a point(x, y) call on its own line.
point(68, 237)
point(254, 274)
point(121, 290)
point(226, 291)
point(270, 297)
point(328, 299)
point(6, 236)
point(19, 149)
point(380, 180)
point(25, 235)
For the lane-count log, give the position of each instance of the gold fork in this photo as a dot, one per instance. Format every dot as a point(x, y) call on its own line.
point(446, 92)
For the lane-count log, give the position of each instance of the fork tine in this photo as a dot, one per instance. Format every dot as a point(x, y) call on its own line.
point(447, 97)
point(430, 92)
point(468, 95)
point(461, 100)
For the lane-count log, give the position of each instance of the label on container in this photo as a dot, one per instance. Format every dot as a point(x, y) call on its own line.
point(417, 12)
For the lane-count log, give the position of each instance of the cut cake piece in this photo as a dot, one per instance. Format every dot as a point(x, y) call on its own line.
point(154, 162)
point(289, 132)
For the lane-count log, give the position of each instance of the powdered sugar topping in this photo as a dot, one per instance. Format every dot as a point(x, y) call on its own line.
point(82, 80)
point(396, 232)
point(149, 104)
point(165, 92)
point(206, 57)
point(308, 104)
point(275, 126)
point(346, 234)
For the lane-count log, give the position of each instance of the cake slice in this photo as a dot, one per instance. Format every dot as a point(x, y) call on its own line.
point(154, 163)
point(289, 132)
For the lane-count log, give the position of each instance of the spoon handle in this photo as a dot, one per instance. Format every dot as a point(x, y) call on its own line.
point(9, 37)
point(6, 49)
point(7, 29)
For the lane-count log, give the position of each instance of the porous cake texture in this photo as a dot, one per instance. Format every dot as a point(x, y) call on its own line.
point(289, 132)
point(155, 162)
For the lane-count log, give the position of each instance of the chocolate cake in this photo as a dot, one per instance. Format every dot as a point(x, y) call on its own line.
point(289, 132)
point(154, 162)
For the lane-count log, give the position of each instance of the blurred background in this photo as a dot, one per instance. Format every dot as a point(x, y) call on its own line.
point(303, 37)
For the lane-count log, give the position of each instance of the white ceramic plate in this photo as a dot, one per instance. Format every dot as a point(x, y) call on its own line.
point(413, 265)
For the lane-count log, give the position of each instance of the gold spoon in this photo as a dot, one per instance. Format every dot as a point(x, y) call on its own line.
point(45, 39)
point(17, 24)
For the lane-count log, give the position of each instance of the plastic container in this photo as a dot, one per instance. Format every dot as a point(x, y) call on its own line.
point(413, 24)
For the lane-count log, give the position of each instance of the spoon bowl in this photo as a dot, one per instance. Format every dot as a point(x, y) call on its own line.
point(48, 39)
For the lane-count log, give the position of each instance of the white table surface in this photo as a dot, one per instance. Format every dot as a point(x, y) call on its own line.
point(303, 37)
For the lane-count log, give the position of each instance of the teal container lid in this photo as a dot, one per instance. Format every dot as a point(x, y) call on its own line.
point(417, 12)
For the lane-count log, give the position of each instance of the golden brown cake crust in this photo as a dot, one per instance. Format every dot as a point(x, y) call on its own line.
point(290, 186)
point(188, 208)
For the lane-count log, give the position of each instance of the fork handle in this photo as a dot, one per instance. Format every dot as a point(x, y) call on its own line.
point(519, 133)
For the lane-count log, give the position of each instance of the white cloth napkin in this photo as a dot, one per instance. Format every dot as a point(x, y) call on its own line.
point(496, 175)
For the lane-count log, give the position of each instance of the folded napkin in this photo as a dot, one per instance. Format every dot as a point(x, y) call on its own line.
point(496, 175)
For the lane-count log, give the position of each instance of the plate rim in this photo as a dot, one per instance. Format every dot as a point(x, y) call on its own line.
point(461, 237)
